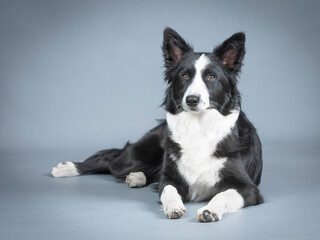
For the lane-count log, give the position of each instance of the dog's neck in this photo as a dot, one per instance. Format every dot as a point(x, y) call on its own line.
point(211, 124)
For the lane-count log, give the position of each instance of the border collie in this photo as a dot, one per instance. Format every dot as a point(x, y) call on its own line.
point(206, 150)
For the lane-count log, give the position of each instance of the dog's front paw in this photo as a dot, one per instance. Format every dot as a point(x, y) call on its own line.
point(175, 212)
point(172, 203)
point(206, 215)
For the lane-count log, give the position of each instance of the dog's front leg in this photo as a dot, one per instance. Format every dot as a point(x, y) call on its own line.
point(172, 203)
point(229, 201)
point(224, 202)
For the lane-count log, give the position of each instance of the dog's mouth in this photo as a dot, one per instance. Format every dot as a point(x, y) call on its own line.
point(195, 110)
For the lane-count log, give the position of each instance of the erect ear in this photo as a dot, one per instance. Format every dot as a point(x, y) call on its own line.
point(173, 47)
point(231, 52)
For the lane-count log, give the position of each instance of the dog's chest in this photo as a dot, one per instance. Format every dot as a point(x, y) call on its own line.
point(198, 136)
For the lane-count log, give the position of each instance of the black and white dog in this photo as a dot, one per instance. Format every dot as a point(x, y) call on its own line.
point(205, 150)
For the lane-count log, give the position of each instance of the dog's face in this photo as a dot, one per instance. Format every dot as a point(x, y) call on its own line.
point(201, 81)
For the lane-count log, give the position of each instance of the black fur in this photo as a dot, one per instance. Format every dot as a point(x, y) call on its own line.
point(150, 154)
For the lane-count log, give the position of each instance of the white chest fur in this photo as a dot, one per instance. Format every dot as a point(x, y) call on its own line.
point(198, 136)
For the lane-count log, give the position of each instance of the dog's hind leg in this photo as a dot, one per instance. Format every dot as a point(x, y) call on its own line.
point(136, 179)
point(98, 163)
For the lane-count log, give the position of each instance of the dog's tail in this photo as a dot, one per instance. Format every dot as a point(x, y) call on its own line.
point(144, 156)
point(97, 163)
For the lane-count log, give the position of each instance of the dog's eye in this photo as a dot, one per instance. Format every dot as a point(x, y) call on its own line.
point(211, 77)
point(185, 77)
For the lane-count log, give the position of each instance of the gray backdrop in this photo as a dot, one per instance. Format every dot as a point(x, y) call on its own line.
point(80, 76)
point(88, 74)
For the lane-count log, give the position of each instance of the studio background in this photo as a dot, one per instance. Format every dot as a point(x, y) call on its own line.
point(81, 76)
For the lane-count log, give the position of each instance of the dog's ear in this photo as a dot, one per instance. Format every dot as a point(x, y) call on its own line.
point(231, 52)
point(173, 47)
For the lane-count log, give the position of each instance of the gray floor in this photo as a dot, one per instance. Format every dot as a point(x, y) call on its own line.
point(34, 205)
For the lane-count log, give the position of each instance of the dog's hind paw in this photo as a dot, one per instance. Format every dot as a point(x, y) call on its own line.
point(136, 179)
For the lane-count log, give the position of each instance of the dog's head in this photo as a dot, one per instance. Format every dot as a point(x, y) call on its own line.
point(198, 82)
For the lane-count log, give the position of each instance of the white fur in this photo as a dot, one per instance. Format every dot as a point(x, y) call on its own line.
point(173, 157)
point(67, 169)
point(171, 201)
point(136, 179)
point(198, 87)
point(198, 135)
point(224, 202)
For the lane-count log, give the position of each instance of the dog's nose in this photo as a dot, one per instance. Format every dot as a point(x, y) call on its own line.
point(193, 100)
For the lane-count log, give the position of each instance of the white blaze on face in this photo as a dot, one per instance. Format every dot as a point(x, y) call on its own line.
point(198, 87)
